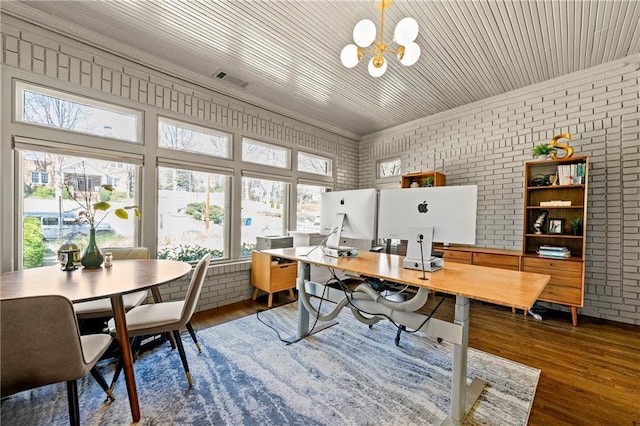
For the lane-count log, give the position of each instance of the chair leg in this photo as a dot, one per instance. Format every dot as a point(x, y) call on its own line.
point(193, 336)
point(103, 384)
point(72, 398)
point(183, 356)
point(135, 346)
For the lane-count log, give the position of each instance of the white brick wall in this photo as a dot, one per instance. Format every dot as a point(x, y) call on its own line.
point(487, 142)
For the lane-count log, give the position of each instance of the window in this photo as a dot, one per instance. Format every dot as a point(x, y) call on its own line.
point(51, 108)
point(389, 168)
point(263, 210)
point(192, 214)
point(44, 204)
point(39, 178)
point(308, 207)
point(265, 154)
point(188, 137)
point(311, 163)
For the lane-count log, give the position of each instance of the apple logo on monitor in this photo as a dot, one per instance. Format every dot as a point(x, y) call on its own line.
point(342, 201)
point(423, 207)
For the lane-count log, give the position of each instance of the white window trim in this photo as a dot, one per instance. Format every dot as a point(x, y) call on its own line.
point(329, 160)
point(20, 86)
point(200, 129)
point(267, 145)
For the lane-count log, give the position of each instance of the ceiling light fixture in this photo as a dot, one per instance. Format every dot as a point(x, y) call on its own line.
point(364, 35)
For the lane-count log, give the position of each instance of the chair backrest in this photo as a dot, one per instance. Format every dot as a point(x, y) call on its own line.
point(195, 288)
point(122, 253)
point(40, 343)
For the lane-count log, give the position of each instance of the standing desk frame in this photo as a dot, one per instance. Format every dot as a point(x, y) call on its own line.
point(504, 287)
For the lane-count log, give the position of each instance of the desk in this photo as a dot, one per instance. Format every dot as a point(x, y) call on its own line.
point(504, 287)
point(125, 276)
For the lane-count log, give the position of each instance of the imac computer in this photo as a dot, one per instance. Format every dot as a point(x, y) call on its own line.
point(445, 214)
point(348, 216)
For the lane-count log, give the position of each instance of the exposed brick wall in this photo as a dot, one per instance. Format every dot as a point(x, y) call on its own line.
point(46, 57)
point(486, 143)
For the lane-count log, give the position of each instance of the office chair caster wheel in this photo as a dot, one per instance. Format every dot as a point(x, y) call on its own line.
point(439, 339)
point(370, 326)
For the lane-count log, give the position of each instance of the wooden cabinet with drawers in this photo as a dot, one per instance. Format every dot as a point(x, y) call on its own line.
point(271, 275)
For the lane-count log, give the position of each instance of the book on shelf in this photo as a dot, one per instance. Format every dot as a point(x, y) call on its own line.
point(572, 174)
point(554, 251)
point(555, 203)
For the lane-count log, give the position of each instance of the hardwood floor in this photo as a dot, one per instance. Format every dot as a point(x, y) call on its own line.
point(590, 373)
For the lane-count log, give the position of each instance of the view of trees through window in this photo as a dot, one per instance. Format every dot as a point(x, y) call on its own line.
point(308, 207)
point(263, 207)
point(175, 135)
point(389, 168)
point(193, 196)
point(192, 214)
point(265, 154)
point(51, 218)
point(314, 164)
point(60, 111)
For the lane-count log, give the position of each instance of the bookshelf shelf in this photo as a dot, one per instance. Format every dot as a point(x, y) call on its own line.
point(567, 273)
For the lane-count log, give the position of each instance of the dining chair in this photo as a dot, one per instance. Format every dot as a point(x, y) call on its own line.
point(42, 345)
point(163, 317)
point(101, 308)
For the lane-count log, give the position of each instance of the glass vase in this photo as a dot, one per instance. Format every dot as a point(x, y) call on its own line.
point(92, 257)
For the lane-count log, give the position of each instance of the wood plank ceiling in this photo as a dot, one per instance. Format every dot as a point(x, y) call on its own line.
point(289, 51)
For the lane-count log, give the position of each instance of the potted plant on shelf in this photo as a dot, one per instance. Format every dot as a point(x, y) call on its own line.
point(91, 204)
point(542, 151)
point(576, 225)
point(428, 181)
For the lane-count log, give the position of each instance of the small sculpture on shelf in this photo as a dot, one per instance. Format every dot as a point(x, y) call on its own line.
point(554, 143)
point(538, 225)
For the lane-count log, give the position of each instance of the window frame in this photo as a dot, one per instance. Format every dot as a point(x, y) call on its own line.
point(329, 161)
point(18, 110)
point(199, 129)
point(253, 141)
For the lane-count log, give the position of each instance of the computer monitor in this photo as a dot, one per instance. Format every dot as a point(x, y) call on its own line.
point(348, 214)
point(450, 210)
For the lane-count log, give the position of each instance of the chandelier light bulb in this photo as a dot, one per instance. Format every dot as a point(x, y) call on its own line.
point(406, 31)
point(377, 71)
point(364, 33)
point(349, 56)
point(411, 54)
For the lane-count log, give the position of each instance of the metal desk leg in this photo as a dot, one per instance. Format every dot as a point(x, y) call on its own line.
point(303, 314)
point(117, 304)
point(462, 398)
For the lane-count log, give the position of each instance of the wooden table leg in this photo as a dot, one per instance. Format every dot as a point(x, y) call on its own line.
point(157, 298)
point(117, 304)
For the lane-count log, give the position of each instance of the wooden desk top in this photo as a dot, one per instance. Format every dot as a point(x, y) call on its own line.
point(125, 276)
point(500, 286)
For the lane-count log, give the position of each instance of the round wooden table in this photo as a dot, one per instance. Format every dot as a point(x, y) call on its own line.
point(125, 276)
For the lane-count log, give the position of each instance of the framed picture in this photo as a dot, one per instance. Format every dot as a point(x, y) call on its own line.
point(555, 226)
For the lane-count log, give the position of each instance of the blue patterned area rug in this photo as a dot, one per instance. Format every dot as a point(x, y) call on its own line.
point(345, 375)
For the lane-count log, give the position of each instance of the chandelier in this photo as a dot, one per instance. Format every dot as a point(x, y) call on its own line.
point(364, 35)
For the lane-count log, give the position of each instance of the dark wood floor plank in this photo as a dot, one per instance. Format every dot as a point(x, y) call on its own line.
point(590, 373)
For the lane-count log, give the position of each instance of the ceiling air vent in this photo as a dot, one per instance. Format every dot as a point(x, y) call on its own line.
point(221, 75)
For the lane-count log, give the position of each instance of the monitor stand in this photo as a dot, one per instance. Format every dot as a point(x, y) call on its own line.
point(333, 247)
point(421, 261)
